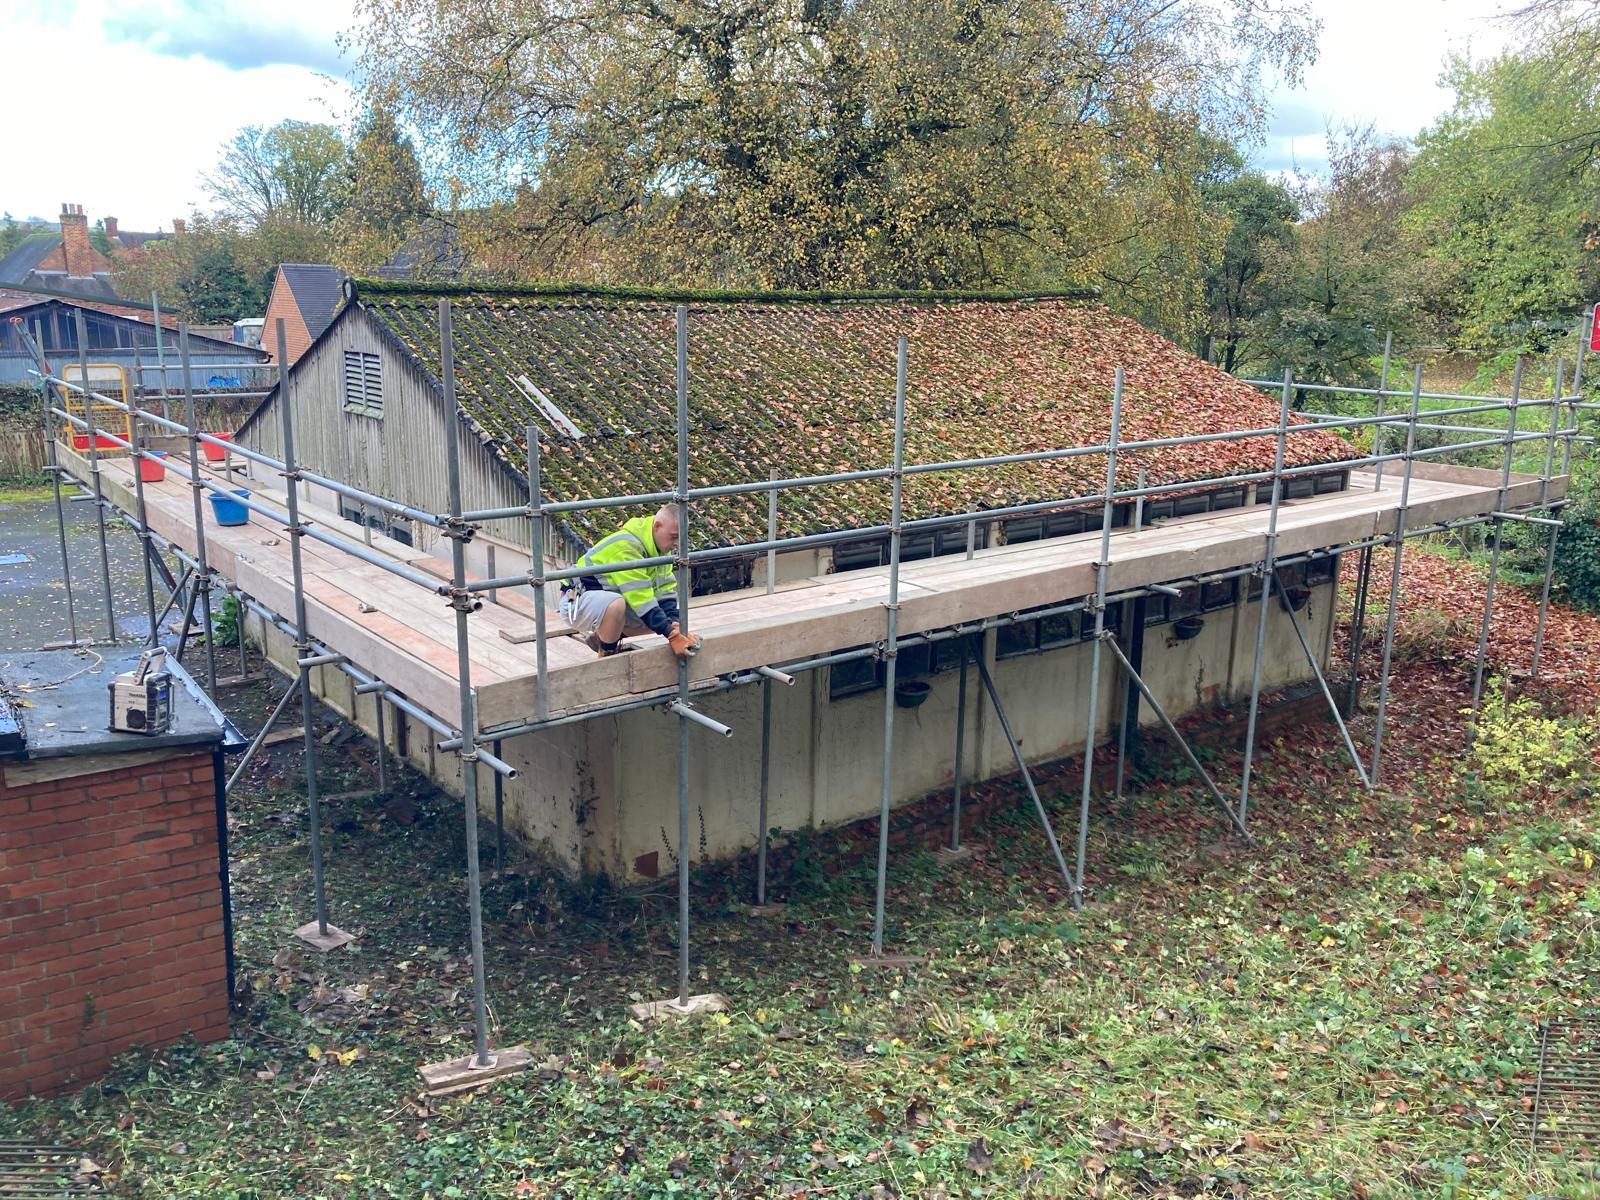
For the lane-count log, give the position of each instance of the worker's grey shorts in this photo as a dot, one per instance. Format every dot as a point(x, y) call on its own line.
point(584, 613)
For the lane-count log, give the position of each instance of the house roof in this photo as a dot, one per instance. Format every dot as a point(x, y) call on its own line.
point(805, 385)
point(317, 292)
point(18, 301)
point(28, 254)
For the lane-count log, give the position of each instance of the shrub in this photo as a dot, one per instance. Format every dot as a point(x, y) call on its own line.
point(1519, 753)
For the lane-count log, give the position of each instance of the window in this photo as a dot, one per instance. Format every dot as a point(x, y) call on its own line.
point(874, 552)
point(1220, 593)
point(1018, 638)
point(1059, 630)
point(1185, 604)
point(1051, 525)
point(397, 528)
point(721, 575)
point(1322, 570)
point(947, 653)
point(363, 384)
point(855, 677)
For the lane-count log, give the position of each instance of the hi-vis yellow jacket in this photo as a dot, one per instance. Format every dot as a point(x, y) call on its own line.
point(651, 592)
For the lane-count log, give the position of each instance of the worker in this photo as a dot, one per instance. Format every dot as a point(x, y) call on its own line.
point(607, 606)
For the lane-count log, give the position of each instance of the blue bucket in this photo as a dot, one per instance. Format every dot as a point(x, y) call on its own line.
point(229, 511)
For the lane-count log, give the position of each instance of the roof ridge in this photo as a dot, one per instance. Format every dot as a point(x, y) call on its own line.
point(377, 289)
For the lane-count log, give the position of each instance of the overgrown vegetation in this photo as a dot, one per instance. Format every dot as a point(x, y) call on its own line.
point(1348, 1008)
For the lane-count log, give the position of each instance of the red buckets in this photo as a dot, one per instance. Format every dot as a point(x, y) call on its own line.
point(212, 451)
point(151, 468)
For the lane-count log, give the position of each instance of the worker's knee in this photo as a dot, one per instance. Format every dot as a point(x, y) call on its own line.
point(618, 608)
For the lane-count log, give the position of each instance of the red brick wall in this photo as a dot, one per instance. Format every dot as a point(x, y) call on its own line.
point(111, 926)
point(296, 337)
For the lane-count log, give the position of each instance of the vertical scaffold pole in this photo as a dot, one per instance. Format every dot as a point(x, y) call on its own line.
point(383, 746)
point(161, 353)
point(55, 476)
point(536, 568)
point(462, 602)
point(1555, 530)
point(685, 579)
point(1494, 556)
point(766, 712)
point(1394, 577)
point(1566, 443)
point(201, 579)
point(1377, 429)
point(891, 638)
point(961, 736)
point(1102, 578)
point(302, 642)
point(147, 549)
point(1268, 566)
point(499, 816)
point(1358, 629)
point(93, 426)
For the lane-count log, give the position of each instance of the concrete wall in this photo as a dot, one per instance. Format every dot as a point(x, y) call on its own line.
point(601, 796)
point(827, 754)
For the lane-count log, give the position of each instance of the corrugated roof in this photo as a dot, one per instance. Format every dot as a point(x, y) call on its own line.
point(317, 291)
point(807, 387)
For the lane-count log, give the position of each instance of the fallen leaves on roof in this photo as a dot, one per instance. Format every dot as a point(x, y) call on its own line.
point(809, 389)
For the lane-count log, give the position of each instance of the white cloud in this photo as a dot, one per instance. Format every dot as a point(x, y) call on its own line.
point(1379, 64)
point(137, 96)
point(137, 100)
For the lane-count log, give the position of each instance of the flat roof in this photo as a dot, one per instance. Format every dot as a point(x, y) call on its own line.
point(61, 704)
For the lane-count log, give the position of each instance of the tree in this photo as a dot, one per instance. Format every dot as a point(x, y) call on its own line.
point(1243, 284)
point(384, 195)
point(1505, 191)
point(1350, 280)
point(216, 270)
point(289, 171)
point(836, 142)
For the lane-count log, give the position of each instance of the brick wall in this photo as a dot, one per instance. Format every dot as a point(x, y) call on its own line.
point(111, 916)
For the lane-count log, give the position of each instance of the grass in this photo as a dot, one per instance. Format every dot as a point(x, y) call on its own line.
point(25, 489)
point(1347, 1008)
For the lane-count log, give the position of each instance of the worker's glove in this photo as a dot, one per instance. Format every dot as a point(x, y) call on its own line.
point(684, 645)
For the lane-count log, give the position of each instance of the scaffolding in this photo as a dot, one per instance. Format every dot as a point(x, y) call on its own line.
point(474, 744)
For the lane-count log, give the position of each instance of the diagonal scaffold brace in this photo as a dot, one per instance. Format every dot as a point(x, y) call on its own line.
point(1172, 731)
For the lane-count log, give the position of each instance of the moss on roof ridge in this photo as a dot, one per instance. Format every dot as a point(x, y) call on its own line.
point(399, 290)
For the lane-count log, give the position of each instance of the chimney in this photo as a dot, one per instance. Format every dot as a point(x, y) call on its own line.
point(75, 246)
point(111, 228)
point(178, 226)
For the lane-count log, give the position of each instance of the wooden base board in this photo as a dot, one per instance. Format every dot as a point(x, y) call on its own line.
point(893, 961)
point(227, 682)
point(947, 857)
point(766, 910)
point(706, 1002)
point(348, 797)
point(278, 736)
point(332, 940)
point(459, 1074)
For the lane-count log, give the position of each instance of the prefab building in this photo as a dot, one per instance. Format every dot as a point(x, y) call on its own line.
point(788, 387)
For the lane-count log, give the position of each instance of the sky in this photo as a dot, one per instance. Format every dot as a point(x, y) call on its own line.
point(166, 82)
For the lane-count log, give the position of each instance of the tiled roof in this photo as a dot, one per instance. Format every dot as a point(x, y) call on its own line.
point(28, 254)
point(12, 298)
point(317, 291)
point(807, 387)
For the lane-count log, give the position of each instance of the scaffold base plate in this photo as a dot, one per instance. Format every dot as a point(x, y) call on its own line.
point(766, 910)
point(706, 1002)
point(946, 857)
point(460, 1075)
point(332, 940)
